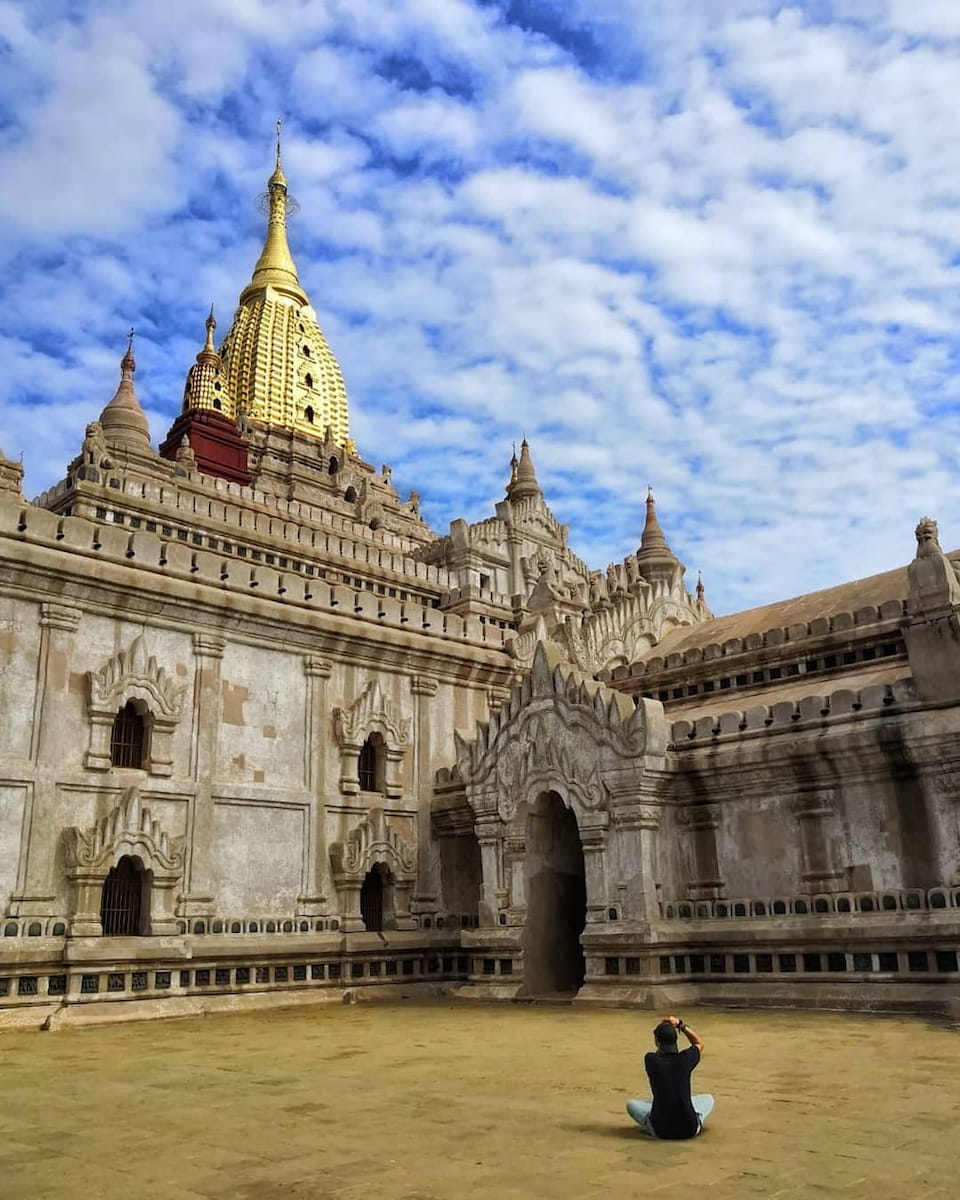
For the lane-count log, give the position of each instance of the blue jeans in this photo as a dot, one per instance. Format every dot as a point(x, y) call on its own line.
point(640, 1111)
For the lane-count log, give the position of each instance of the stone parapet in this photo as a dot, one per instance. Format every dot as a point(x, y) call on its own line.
point(761, 719)
point(304, 528)
point(150, 554)
point(890, 613)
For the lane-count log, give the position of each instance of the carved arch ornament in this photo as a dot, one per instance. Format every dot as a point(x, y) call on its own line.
point(133, 675)
point(128, 829)
point(371, 712)
point(372, 842)
point(560, 732)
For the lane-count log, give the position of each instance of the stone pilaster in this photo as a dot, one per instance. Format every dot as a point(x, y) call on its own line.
point(813, 811)
point(198, 900)
point(514, 875)
point(593, 839)
point(490, 838)
point(313, 902)
point(425, 889)
point(37, 885)
point(636, 827)
point(702, 822)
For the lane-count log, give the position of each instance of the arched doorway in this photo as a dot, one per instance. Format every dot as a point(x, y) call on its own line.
point(553, 962)
point(125, 906)
point(376, 899)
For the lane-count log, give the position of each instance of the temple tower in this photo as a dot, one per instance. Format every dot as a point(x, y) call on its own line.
point(277, 368)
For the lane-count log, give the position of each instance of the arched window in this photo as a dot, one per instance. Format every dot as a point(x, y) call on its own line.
point(306, 351)
point(129, 738)
point(371, 764)
point(308, 411)
point(350, 495)
point(334, 466)
point(122, 906)
point(308, 380)
point(216, 403)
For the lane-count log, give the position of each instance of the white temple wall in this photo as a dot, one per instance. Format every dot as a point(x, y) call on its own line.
point(262, 734)
point(19, 653)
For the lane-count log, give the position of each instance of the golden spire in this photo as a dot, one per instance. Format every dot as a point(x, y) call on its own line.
point(208, 356)
point(206, 385)
point(275, 266)
point(276, 366)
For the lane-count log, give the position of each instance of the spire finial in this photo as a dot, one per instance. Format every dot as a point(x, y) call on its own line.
point(128, 364)
point(209, 352)
point(275, 267)
point(701, 595)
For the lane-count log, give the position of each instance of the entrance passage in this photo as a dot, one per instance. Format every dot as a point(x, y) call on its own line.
point(122, 905)
point(371, 900)
point(556, 900)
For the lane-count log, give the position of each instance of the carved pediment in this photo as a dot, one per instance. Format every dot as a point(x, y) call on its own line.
point(372, 712)
point(561, 730)
point(130, 828)
point(371, 842)
point(134, 673)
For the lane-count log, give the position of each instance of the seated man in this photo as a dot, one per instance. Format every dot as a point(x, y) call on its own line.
point(674, 1113)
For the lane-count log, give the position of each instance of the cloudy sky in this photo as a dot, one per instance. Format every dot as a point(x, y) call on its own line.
point(710, 245)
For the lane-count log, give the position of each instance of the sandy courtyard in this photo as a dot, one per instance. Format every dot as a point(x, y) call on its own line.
point(435, 1102)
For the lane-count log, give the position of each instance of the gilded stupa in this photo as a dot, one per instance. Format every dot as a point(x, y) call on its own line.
point(276, 366)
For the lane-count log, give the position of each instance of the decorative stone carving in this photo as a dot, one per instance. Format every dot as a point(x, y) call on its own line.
point(373, 841)
point(557, 731)
point(371, 713)
point(133, 675)
point(561, 732)
point(128, 829)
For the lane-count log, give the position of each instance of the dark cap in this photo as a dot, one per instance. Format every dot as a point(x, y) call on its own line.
point(666, 1034)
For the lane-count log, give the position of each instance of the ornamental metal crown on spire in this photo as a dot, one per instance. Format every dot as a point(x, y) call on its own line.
point(277, 367)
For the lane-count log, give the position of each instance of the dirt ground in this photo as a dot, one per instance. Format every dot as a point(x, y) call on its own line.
point(444, 1101)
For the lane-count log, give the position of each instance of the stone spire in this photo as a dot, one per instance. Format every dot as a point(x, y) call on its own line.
point(523, 480)
point(701, 594)
point(276, 364)
point(123, 421)
point(655, 559)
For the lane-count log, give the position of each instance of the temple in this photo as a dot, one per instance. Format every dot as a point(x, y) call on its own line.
point(270, 738)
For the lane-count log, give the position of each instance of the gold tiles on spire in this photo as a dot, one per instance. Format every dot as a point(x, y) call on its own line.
point(277, 364)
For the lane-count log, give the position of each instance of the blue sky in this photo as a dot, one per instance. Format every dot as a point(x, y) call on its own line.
point(708, 246)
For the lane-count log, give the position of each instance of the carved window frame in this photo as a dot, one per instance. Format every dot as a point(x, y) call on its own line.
point(133, 676)
point(371, 713)
point(128, 830)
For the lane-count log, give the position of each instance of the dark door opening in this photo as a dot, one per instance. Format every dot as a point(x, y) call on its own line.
point(371, 901)
point(553, 960)
point(122, 906)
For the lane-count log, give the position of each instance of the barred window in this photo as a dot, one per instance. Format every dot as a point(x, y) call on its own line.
point(128, 739)
point(371, 764)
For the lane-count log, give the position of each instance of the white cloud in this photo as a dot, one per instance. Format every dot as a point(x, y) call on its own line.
point(709, 247)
